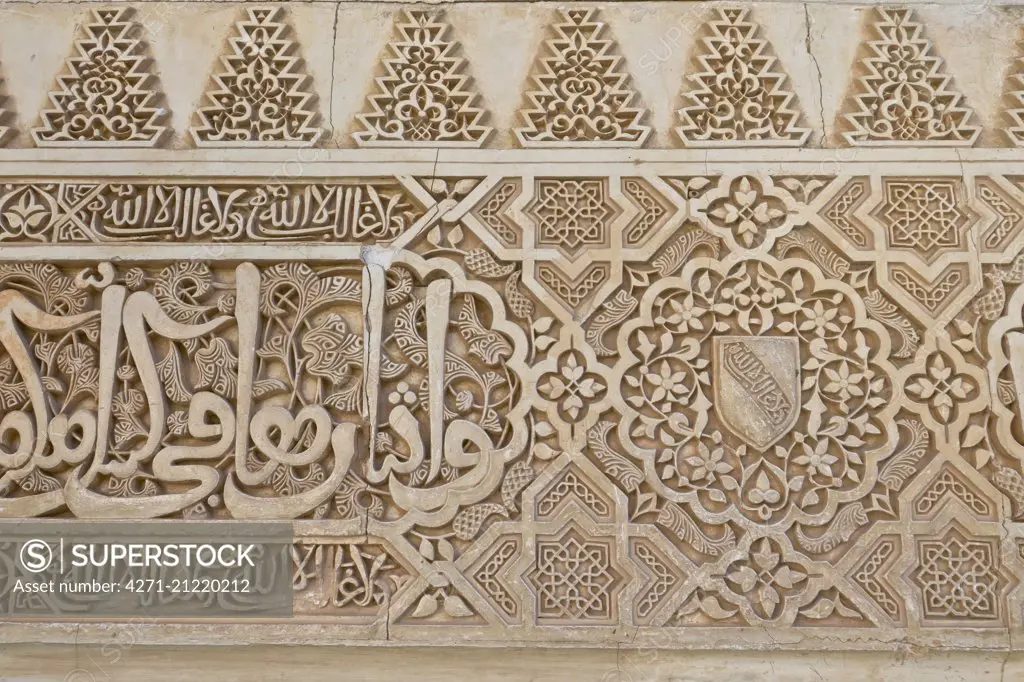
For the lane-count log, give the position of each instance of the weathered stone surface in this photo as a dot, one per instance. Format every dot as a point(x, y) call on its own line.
point(661, 325)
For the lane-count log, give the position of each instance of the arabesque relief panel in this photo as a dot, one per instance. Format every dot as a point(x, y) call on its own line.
point(580, 377)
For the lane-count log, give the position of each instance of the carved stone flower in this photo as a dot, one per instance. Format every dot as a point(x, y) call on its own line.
point(819, 320)
point(816, 458)
point(27, 217)
point(666, 386)
point(708, 463)
point(683, 315)
point(764, 579)
point(940, 388)
point(842, 383)
point(572, 387)
point(747, 211)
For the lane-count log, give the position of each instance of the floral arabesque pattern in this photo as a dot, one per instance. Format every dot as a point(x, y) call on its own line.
point(424, 97)
point(583, 94)
point(765, 579)
point(107, 95)
point(572, 388)
point(748, 212)
point(944, 389)
point(261, 94)
point(674, 422)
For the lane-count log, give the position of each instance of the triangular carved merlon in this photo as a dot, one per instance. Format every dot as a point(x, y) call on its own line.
point(907, 101)
point(106, 95)
point(261, 95)
point(739, 97)
point(1015, 98)
point(596, 108)
point(5, 116)
point(424, 98)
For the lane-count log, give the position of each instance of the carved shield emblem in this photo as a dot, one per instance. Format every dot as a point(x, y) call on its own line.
point(757, 386)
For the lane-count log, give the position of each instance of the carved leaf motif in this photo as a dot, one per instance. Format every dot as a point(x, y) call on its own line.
point(36, 482)
point(336, 290)
point(267, 387)
point(273, 349)
point(709, 604)
point(517, 478)
point(613, 313)
point(676, 253)
point(332, 349)
point(1012, 483)
point(488, 345)
point(468, 522)
point(169, 370)
point(289, 480)
point(177, 423)
point(889, 315)
point(399, 285)
point(1007, 392)
point(12, 393)
point(842, 528)
point(617, 466)
point(676, 520)
point(825, 607)
point(456, 607)
point(218, 367)
point(520, 305)
point(426, 606)
point(903, 465)
point(354, 497)
point(480, 262)
point(406, 335)
point(128, 403)
point(79, 364)
point(346, 400)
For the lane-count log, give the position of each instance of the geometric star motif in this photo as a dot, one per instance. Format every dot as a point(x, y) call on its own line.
point(923, 216)
point(574, 578)
point(571, 214)
point(959, 579)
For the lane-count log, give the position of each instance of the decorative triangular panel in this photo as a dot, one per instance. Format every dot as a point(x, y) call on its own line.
point(106, 94)
point(4, 116)
point(740, 96)
point(262, 94)
point(583, 93)
point(424, 97)
point(1016, 95)
point(905, 96)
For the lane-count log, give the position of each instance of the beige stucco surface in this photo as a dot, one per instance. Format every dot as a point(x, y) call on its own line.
point(618, 341)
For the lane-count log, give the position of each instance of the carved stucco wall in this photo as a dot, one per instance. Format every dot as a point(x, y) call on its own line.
point(670, 325)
